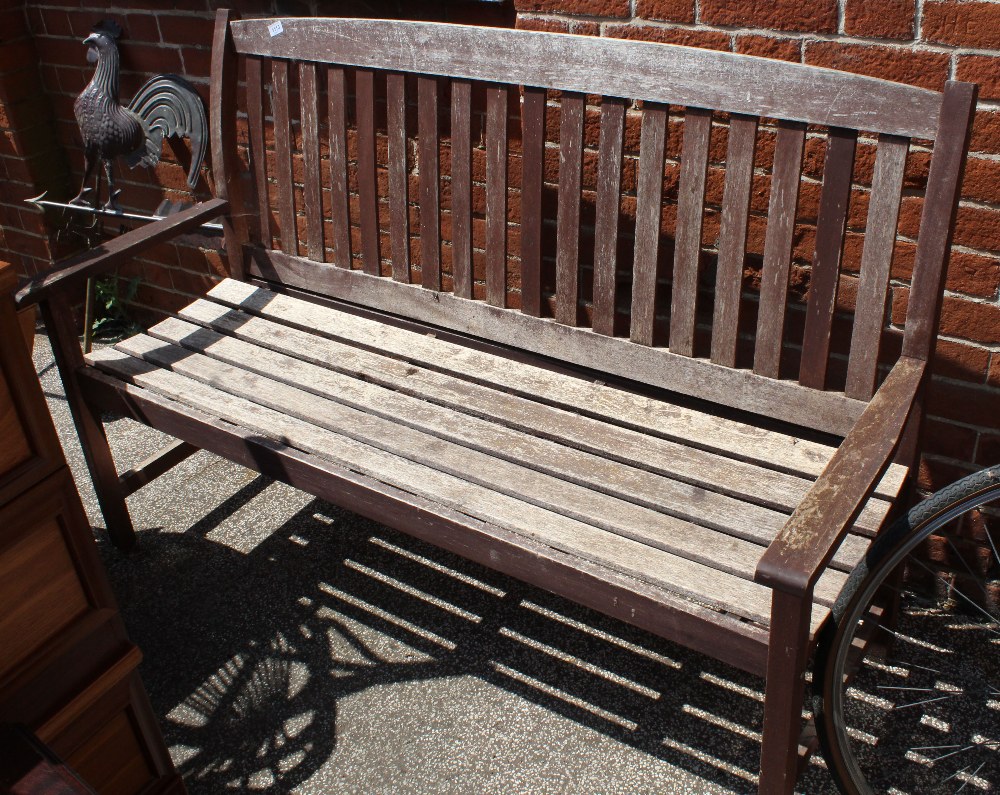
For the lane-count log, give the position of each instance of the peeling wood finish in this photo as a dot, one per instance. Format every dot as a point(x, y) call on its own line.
point(587, 64)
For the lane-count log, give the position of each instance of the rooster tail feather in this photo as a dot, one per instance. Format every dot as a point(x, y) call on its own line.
point(168, 105)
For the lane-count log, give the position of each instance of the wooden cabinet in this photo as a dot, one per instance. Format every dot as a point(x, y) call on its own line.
point(67, 669)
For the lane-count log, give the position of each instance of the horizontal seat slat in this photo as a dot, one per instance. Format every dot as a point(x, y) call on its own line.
point(588, 64)
point(773, 450)
point(677, 575)
point(703, 508)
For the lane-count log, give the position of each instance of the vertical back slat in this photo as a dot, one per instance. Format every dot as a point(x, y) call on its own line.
point(609, 180)
point(283, 158)
point(313, 179)
point(937, 219)
point(778, 247)
point(690, 212)
point(364, 94)
point(830, 226)
point(568, 214)
point(532, 168)
point(496, 195)
point(461, 187)
point(399, 219)
point(258, 154)
point(339, 203)
point(876, 261)
point(733, 238)
point(649, 198)
point(430, 218)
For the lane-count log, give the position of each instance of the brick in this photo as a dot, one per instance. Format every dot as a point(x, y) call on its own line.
point(666, 10)
point(963, 362)
point(546, 24)
point(977, 227)
point(971, 404)
point(192, 30)
point(594, 8)
point(962, 24)
point(769, 47)
point(973, 274)
point(947, 439)
point(880, 19)
point(709, 39)
point(981, 69)
point(986, 132)
point(988, 453)
point(903, 65)
point(151, 59)
point(142, 27)
point(817, 16)
point(16, 55)
point(993, 377)
point(970, 320)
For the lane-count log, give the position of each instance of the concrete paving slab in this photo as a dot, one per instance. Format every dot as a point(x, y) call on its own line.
point(291, 646)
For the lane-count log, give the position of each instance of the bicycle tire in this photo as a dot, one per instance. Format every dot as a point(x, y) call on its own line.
point(846, 705)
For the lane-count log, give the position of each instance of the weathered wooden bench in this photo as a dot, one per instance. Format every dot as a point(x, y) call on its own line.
point(607, 426)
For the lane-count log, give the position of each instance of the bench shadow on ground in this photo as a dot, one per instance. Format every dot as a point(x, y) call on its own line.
point(249, 655)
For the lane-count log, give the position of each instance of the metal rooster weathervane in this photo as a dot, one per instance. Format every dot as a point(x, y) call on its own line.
point(165, 106)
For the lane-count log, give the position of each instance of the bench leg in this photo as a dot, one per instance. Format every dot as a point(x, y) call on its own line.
point(786, 661)
point(110, 495)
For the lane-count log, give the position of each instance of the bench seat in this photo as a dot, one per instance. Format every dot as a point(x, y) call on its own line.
point(674, 502)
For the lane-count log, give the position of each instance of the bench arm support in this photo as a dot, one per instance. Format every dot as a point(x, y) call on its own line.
point(794, 560)
point(117, 251)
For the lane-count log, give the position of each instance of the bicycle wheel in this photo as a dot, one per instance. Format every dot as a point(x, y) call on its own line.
point(907, 678)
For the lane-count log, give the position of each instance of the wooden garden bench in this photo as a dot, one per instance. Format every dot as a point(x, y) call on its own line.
point(586, 403)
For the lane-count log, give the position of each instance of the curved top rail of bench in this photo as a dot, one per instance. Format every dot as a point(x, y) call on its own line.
point(612, 67)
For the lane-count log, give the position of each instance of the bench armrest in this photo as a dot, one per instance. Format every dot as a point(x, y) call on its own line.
point(116, 251)
point(794, 560)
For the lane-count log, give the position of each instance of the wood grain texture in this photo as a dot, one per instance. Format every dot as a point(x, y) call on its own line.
point(649, 198)
point(337, 119)
point(430, 208)
point(778, 248)
point(568, 217)
point(364, 97)
point(496, 195)
point(399, 210)
point(937, 220)
point(690, 213)
point(532, 170)
point(256, 150)
point(876, 263)
point(740, 389)
point(313, 178)
point(283, 158)
point(461, 187)
point(733, 238)
point(588, 64)
point(830, 226)
point(609, 179)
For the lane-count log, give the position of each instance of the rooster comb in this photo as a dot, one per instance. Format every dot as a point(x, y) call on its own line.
point(109, 28)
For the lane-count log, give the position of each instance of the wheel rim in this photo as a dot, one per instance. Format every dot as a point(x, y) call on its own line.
point(923, 717)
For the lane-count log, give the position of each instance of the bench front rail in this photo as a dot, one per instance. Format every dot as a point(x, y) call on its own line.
point(468, 302)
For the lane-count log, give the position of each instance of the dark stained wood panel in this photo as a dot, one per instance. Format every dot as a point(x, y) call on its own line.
point(532, 169)
point(609, 179)
point(568, 218)
point(690, 213)
point(337, 120)
point(649, 198)
point(257, 152)
point(733, 237)
point(427, 159)
point(461, 187)
point(588, 64)
point(313, 179)
point(876, 262)
point(830, 227)
point(496, 195)
point(283, 158)
point(399, 211)
point(364, 90)
point(778, 248)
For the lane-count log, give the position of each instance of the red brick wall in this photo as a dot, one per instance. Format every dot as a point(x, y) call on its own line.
point(923, 42)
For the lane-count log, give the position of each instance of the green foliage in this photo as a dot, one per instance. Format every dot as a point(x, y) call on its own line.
point(111, 320)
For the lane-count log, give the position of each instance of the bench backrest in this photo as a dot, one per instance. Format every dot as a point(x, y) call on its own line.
point(593, 200)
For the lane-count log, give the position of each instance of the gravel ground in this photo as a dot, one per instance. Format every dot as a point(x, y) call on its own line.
point(291, 646)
